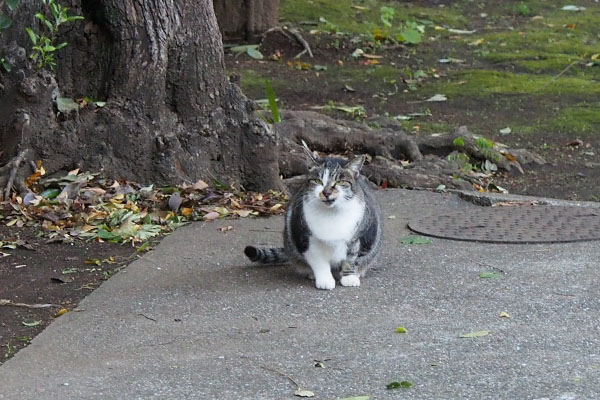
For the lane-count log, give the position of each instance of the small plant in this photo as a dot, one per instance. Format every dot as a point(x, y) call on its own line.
point(5, 23)
point(523, 9)
point(409, 32)
point(387, 16)
point(272, 102)
point(44, 42)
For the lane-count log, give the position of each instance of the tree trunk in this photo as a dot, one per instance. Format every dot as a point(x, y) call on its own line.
point(171, 115)
point(246, 18)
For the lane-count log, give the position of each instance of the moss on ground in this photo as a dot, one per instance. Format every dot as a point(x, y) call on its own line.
point(363, 16)
point(483, 83)
point(582, 120)
point(512, 77)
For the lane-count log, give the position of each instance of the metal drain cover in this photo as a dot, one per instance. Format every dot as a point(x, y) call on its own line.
point(516, 224)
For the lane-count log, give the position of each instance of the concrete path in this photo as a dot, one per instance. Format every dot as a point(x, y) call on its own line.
point(193, 320)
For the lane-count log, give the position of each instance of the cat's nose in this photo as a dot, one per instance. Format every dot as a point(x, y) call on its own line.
point(327, 192)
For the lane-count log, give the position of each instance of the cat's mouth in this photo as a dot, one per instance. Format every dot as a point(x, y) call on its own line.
point(328, 202)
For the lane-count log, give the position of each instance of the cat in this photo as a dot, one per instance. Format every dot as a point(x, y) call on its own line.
point(333, 226)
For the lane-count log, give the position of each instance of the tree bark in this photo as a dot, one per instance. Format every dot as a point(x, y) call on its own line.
point(246, 18)
point(171, 114)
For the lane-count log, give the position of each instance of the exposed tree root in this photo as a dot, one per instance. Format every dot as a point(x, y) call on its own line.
point(12, 178)
point(397, 158)
point(295, 35)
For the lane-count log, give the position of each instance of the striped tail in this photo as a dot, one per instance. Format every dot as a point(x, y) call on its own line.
point(266, 255)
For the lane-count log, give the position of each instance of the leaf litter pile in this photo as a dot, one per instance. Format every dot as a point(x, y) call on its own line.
point(68, 234)
point(78, 205)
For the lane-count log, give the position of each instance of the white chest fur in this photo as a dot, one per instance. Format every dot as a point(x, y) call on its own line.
point(333, 224)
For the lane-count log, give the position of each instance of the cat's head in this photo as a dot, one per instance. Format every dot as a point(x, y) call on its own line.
point(333, 181)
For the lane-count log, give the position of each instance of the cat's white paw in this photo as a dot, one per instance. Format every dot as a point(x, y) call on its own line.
point(326, 283)
point(350, 280)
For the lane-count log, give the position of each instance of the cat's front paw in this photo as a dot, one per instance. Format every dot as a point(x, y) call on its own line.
point(350, 280)
point(326, 283)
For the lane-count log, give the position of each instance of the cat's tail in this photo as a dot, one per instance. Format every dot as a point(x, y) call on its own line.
point(266, 255)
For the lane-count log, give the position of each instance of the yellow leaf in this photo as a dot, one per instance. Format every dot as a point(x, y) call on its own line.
point(510, 157)
point(595, 56)
point(186, 211)
point(11, 223)
point(276, 207)
point(74, 172)
point(504, 314)
point(61, 312)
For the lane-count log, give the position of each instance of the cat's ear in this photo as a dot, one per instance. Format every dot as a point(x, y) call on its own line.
point(356, 164)
point(311, 156)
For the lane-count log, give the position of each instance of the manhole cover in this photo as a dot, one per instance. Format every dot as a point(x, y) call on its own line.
point(518, 224)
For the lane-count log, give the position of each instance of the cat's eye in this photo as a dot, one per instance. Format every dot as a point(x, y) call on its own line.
point(317, 181)
point(342, 183)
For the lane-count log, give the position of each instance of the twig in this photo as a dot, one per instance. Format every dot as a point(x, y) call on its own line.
point(147, 317)
point(5, 302)
point(282, 374)
point(296, 34)
point(303, 42)
point(559, 74)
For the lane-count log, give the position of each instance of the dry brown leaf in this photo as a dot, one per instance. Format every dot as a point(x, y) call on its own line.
point(242, 213)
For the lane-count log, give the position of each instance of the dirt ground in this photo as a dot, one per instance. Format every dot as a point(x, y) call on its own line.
point(57, 273)
point(41, 273)
point(486, 84)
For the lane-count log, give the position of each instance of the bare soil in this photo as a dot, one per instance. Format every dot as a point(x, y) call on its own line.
point(48, 273)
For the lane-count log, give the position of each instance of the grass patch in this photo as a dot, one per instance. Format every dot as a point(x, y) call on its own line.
point(482, 83)
point(362, 17)
point(581, 120)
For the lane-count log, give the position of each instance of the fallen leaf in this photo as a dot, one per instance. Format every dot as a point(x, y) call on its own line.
point(437, 97)
point(505, 131)
point(504, 314)
point(401, 329)
point(415, 240)
point(61, 279)
point(461, 31)
point(32, 323)
point(575, 143)
point(61, 312)
point(476, 334)
point(398, 385)
point(573, 8)
point(490, 275)
point(175, 202)
point(356, 398)
point(200, 185)
point(211, 216)
point(65, 105)
point(243, 213)
point(303, 393)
